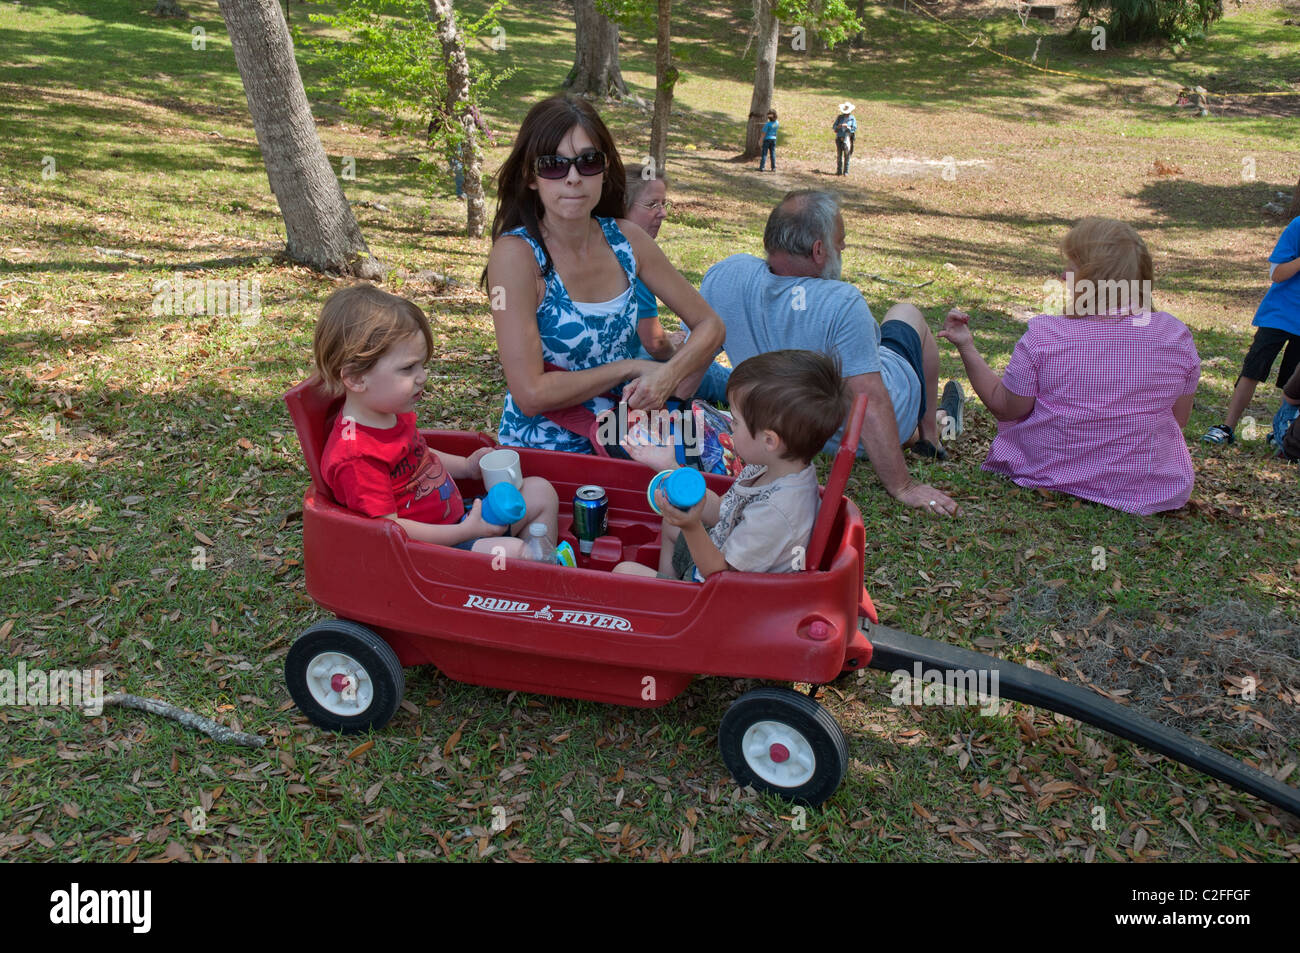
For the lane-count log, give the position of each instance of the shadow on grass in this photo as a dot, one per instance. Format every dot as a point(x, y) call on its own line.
point(909, 60)
point(107, 52)
point(1206, 206)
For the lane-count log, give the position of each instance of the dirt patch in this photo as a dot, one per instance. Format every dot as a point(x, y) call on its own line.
point(986, 9)
point(945, 167)
point(1228, 670)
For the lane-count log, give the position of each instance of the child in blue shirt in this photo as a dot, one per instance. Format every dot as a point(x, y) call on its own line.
point(1278, 320)
point(769, 140)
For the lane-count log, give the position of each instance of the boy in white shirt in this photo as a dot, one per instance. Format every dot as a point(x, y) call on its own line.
point(785, 406)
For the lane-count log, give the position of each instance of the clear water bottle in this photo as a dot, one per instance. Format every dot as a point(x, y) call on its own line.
point(538, 546)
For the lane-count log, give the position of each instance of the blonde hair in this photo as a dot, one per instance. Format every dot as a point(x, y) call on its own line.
point(1103, 249)
point(357, 325)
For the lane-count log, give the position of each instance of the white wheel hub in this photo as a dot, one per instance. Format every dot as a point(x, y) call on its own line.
point(340, 684)
point(779, 754)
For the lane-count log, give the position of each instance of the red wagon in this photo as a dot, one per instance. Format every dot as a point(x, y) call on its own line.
point(583, 632)
point(634, 640)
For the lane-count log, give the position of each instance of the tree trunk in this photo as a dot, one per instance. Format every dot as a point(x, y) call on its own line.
point(1295, 202)
point(169, 8)
point(665, 79)
point(322, 232)
point(461, 111)
point(769, 35)
point(860, 12)
point(595, 67)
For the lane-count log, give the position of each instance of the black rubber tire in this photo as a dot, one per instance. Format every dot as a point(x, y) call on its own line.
point(829, 747)
point(374, 654)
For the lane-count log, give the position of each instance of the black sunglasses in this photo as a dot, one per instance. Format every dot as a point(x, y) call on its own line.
point(557, 167)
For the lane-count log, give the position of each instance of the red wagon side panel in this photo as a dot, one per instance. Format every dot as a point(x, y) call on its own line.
point(521, 627)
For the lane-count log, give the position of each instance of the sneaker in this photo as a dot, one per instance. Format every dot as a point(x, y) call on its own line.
point(924, 448)
point(1219, 433)
point(1282, 420)
point(953, 403)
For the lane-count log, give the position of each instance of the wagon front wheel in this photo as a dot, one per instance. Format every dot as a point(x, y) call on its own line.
point(782, 742)
point(344, 677)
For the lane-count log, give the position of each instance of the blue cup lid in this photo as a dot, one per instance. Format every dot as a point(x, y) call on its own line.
point(685, 487)
point(505, 501)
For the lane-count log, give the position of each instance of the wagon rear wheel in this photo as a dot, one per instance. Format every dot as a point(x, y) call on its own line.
point(344, 677)
point(779, 741)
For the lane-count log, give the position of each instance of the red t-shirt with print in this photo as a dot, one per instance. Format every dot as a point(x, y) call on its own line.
point(376, 472)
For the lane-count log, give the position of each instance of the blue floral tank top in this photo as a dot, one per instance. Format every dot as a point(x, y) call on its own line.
point(575, 341)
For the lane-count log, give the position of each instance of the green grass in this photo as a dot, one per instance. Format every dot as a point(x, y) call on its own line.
point(171, 435)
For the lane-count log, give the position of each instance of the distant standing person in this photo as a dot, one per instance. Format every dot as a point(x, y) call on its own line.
point(454, 164)
point(845, 128)
point(769, 140)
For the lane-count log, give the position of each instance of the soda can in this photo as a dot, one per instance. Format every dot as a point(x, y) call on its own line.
point(590, 516)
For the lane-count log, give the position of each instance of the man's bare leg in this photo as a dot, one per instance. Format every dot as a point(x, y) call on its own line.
point(912, 316)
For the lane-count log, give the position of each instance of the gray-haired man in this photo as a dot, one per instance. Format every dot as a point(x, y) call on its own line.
point(795, 299)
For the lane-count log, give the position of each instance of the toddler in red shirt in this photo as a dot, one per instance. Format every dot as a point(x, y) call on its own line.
point(372, 346)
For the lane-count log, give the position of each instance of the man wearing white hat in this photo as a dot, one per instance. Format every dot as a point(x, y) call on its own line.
point(845, 128)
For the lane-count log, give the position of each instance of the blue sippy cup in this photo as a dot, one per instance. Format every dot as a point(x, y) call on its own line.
point(503, 505)
point(684, 486)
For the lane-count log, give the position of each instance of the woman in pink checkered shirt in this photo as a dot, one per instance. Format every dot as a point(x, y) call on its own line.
point(1094, 401)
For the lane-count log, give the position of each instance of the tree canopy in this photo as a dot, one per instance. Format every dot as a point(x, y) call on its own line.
point(1129, 21)
point(389, 72)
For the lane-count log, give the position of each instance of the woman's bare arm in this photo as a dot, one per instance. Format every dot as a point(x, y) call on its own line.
point(513, 296)
point(1002, 403)
point(707, 329)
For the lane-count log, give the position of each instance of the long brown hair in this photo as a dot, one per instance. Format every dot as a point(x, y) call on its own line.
point(545, 126)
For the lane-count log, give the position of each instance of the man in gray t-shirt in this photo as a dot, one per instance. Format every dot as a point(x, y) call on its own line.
point(795, 299)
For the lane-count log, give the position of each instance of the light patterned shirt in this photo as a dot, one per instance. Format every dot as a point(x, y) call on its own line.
point(1103, 426)
point(766, 528)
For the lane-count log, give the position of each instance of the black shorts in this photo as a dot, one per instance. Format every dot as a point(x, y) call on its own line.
point(1263, 352)
point(901, 338)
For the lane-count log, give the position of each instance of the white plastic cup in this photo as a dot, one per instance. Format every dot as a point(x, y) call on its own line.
point(501, 466)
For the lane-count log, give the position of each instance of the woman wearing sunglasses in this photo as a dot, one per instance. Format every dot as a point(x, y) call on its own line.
point(560, 284)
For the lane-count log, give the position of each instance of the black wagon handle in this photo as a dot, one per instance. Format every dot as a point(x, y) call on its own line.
point(894, 650)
